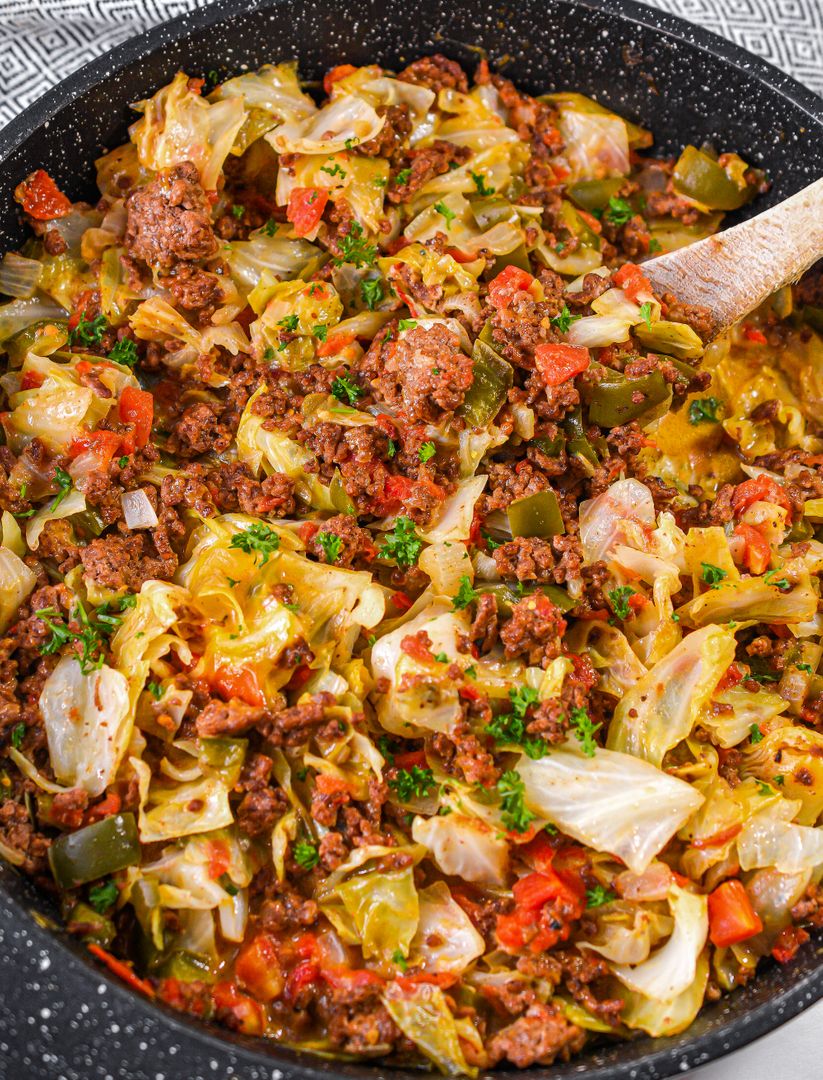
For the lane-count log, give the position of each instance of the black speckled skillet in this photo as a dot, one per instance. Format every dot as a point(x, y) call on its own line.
point(60, 1017)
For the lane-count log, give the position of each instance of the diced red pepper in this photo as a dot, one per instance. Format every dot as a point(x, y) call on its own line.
point(343, 978)
point(136, 407)
point(632, 281)
point(102, 444)
point(557, 363)
point(336, 74)
point(41, 198)
point(258, 968)
point(510, 281)
point(306, 206)
point(531, 894)
point(238, 683)
point(732, 918)
point(122, 970)
point(327, 784)
point(219, 857)
point(302, 674)
point(460, 256)
point(247, 1013)
point(751, 333)
point(757, 554)
point(735, 673)
point(304, 974)
point(591, 221)
point(401, 601)
point(410, 759)
point(111, 804)
point(760, 489)
point(787, 943)
point(32, 380)
point(334, 344)
point(171, 991)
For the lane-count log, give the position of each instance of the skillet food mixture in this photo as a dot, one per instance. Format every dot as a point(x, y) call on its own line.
point(410, 627)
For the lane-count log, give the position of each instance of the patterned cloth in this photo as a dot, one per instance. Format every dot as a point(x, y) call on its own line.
point(42, 41)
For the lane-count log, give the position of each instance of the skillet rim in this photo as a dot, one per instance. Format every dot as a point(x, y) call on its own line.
point(671, 1056)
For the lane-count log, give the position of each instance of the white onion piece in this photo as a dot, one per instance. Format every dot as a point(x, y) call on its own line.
point(19, 276)
point(137, 510)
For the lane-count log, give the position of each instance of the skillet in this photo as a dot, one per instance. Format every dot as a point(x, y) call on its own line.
point(61, 1017)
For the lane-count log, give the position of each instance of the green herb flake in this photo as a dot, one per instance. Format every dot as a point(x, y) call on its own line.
point(619, 600)
point(402, 544)
point(289, 323)
point(391, 449)
point(399, 960)
point(18, 733)
point(354, 249)
point(585, 730)
point(306, 855)
point(407, 324)
point(124, 352)
point(88, 331)
point(346, 390)
point(780, 583)
point(270, 228)
point(320, 331)
point(704, 411)
point(104, 896)
point(480, 183)
point(413, 783)
point(511, 789)
point(755, 734)
point(427, 452)
point(646, 314)
point(372, 292)
point(64, 483)
point(402, 177)
point(445, 213)
point(335, 170)
point(564, 320)
point(155, 689)
point(238, 211)
point(331, 544)
point(465, 594)
point(712, 575)
point(618, 212)
point(441, 658)
point(598, 896)
point(257, 538)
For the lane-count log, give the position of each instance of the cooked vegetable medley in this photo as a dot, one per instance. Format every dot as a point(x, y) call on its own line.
point(410, 622)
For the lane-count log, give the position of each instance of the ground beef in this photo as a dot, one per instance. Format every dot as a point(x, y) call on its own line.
point(199, 430)
point(426, 374)
point(169, 220)
point(58, 542)
point(462, 751)
point(357, 546)
point(550, 719)
point(524, 324)
point(483, 630)
point(294, 726)
point(68, 807)
point(541, 1036)
point(511, 480)
point(699, 318)
point(18, 833)
point(534, 630)
point(195, 290)
point(526, 558)
point(392, 135)
point(810, 908)
point(232, 718)
point(809, 290)
point(262, 805)
point(332, 851)
point(416, 167)
point(437, 73)
point(125, 562)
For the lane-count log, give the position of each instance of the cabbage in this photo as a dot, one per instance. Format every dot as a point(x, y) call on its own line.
point(281, 257)
point(436, 269)
point(610, 653)
point(463, 231)
point(19, 276)
point(473, 123)
point(671, 970)
point(156, 320)
point(464, 847)
point(752, 599)
point(74, 503)
point(661, 709)
point(625, 933)
point(747, 708)
point(611, 802)
point(169, 811)
point(179, 125)
point(182, 873)
point(770, 839)
point(659, 1018)
point(384, 909)
point(454, 522)
point(345, 120)
point(16, 582)
point(446, 563)
point(359, 182)
point(605, 519)
point(17, 315)
point(446, 939)
point(596, 144)
point(423, 1015)
point(88, 721)
point(269, 95)
point(791, 757)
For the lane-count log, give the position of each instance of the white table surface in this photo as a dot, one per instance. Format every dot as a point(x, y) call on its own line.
point(793, 1052)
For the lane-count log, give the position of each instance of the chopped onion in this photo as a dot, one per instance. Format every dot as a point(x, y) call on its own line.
point(137, 510)
point(19, 276)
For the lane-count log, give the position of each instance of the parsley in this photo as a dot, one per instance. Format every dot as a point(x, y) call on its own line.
point(779, 780)
point(619, 600)
point(399, 959)
point(427, 451)
point(559, 247)
point(402, 544)
point(345, 390)
point(238, 211)
point(598, 896)
point(480, 184)
point(764, 789)
point(335, 170)
point(755, 734)
point(306, 855)
point(471, 671)
point(564, 320)
point(402, 176)
point(88, 331)
point(441, 658)
point(321, 331)
point(270, 228)
point(511, 727)
point(704, 411)
point(18, 733)
point(386, 748)
point(391, 449)
point(675, 617)
point(102, 897)
point(124, 352)
point(407, 324)
point(155, 689)
point(782, 583)
point(372, 293)
point(380, 181)
point(511, 789)
point(646, 314)
point(654, 246)
point(491, 543)
point(227, 885)
point(64, 483)
point(618, 211)
point(413, 783)
point(351, 143)
point(290, 323)
point(465, 594)
point(354, 249)
point(444, 212)
point(763, 676)
point(805, 667)
point(258, 537)
point(268, 353)
point(91, 636)
point(585, 730)
point(331, 544)
point(712, 575)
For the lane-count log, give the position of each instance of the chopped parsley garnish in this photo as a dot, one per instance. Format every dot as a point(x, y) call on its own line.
point(805, 667)
point(618, 211)
point(124, 352)
point(764, 788)
point(18, 733)
point(704, 411)
point(391, 449)
point(441, 658)
point(427, 451)
point(755, 734)
point(345, 390)
point(91, 636)
point(763, 676)
point(564, 320)
point(320, 331)
point(646, 314)
point(88, 331)
point(619, 600)
point(270, 228)
point(480, 183)
point(257, 538)
point(386, 748)
point(782, 583)
point(585, 730)
point(238, 211)
point(444, 212)
point(407, 324)
point(511, 727)
point(413, 783)
point(306, 855)
point(712, 575)
point(399, 959)
point(598, 896)
point(289, 322)
point(402, 176)
point(227, 885)
point(491, 543)
point(155, 689)
point(654, 246)
point(465, 594)
point(511, 789)
point(402, 544)
point(64, 483)
point(372, 292)
point(335, 170)
point(331, 544)
point(104, 896)
point(354, 249)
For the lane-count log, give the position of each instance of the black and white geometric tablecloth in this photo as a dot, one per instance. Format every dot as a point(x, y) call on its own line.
point(42, 41)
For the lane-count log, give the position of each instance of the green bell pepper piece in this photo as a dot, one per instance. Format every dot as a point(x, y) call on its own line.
point(594, 194)
point(89, 925)
point(536, 515)
point(577, 442)
point(95, 851)
point(611, 400)
point(671, 339)
point(337, 493)
point(550, 447)
point(493, 378)
point(507, 597)
point(699, 177)
point(87, 523)
point(187, 967)
point(519, 258)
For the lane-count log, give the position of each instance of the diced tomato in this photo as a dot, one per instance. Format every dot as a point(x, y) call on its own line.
point(559, 363)
point(31, 380)
point(102, 444)
point(336, 74)
point(591, 221)
point(306, 945)
point(247, 1012)
point(334, 344)
point(760, 489)
point(401, 601)
point(238, 683)
point(111, 804)
point(400, 489)
point(137, 407)
point(475, 534)
point(539, 853)
point(170, 990)
point(717, 839)
point(302, 674)
point(219, 857)
point(417, 647)
point(735, 673)
point(637, 601)
point(410, 759)
point(122, 970)
point(303, 975)
point(787, 943)
point(469, 693)
point(386, 425)
point(460, 256)
point(597, 614)
point(732, 918)
point(41, 198)
point(306, 206)
point(443, 979)
point(632, 281)
point(343, 978)
point(327, 784)
point(531, 894)
point(757, 554)
point(257, 968)
point(307, 530)
point(510, 281)
point(751, 333)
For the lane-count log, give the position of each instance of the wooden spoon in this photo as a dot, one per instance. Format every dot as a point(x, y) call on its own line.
point(736, 270)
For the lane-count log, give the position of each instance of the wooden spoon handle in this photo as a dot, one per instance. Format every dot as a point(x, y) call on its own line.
point(735, 271)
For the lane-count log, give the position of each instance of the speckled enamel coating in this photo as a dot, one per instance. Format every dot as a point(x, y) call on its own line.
point(62, 1018)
